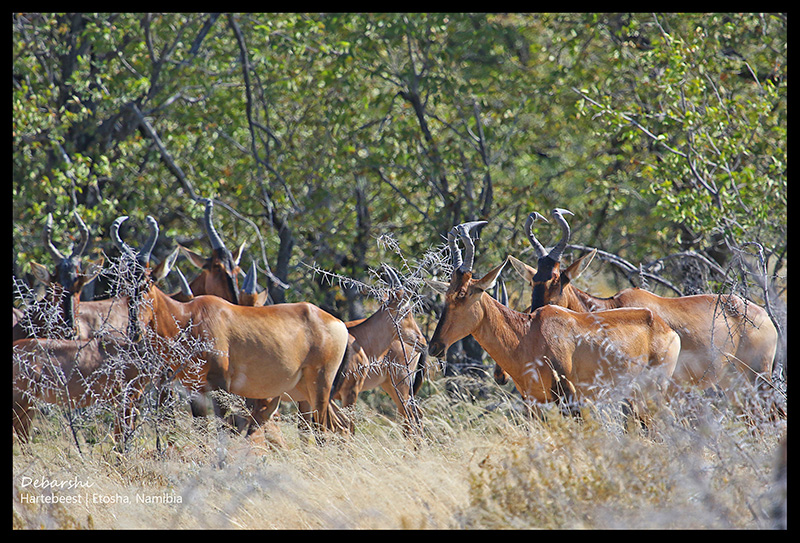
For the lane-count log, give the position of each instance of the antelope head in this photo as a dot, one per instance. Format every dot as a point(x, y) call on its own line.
point(462, 313)
point(548, 281)
point(143, 277)
point(71, 275)
point(221, 270)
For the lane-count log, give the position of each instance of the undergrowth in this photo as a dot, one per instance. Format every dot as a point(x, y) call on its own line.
point(482, 464)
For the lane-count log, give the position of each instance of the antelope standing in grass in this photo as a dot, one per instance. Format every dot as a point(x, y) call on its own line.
point(389, 351)
point(553, 354)
point(73, 374)
point(218, 277)
point(78, 373)
point(717, 331)
point(259, 352)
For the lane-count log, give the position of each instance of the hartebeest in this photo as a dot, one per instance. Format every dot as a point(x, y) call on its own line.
point(260, 410)
point(388, 351)
point(73, 374)
point(103, 367)
point(258, 352)
point(64, 287)
point(218, 277)
point(219, 272)
point(717, 331)
point(553, 353)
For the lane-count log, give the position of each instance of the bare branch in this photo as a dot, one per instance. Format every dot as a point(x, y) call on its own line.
point(165, 156)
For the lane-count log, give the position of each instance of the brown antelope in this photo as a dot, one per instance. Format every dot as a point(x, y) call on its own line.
point(388, 351)
point(219, 272)
point(75, 373)
point(259, 352)
point(261, 410)
point(103, 317)
point(81, 372)
point(219, 277)
point(64, 287)
point(553, 354)
point(717, 331)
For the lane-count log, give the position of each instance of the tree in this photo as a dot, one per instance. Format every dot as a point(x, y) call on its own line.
point(320, 134)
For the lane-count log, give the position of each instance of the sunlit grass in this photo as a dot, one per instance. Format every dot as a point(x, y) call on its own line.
point(482, 464)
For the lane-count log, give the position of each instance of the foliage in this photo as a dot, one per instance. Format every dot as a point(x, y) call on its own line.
point(321, 132)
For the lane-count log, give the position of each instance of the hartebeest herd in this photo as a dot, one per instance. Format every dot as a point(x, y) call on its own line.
point(568, 347)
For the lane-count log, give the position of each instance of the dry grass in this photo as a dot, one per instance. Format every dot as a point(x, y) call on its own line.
point(481, 465)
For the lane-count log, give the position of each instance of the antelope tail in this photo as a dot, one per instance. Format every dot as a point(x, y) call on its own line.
point(419, 375)
point(344, 367)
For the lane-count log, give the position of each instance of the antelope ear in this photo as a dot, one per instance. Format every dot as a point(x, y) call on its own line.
point(93, 269)
point(488, 281)
point(162, 270)
point(238, 254)
point(439, 286)
point(196, 259)
point(578, 267)
point(40, 272)
point(525, 271)
point(261, 297)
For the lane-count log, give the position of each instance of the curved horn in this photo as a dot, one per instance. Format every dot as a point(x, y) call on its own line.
point(394, 279)
point(144, 254)
point(556, 252)
point(455, 252)
point(537, 247)
point(48, 239)
point(250, 281)
point(216, 241)
point(464, 230)
point(121, 245)
point(81, 248)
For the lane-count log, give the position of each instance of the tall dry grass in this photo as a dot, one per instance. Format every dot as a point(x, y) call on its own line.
point(482, 464)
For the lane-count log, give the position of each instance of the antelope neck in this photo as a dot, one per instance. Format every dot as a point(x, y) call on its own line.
point(501, 330)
